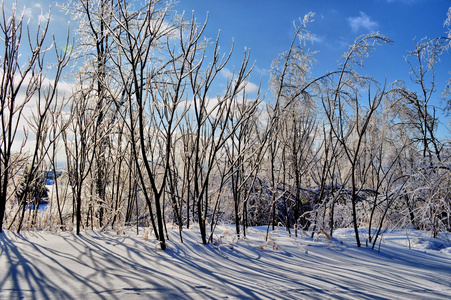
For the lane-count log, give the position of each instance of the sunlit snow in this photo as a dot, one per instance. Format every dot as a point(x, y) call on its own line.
point(111, 265)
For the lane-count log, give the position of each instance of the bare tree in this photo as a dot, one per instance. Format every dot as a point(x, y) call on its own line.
point(58, 124)
point(80, 143)
point(415, 108)
point(289, 82)
point(94, 49)
point(245, 152)
point(21, 81)
point(138, 34)
point(382, 150)
point(212, 127)
point(39, 124)
point(350, 128)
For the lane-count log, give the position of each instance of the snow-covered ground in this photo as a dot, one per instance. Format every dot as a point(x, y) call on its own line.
point(94, 265)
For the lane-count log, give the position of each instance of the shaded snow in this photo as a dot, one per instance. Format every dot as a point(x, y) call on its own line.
point(94, 265)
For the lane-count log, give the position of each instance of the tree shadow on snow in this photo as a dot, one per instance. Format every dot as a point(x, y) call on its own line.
point(103, 266)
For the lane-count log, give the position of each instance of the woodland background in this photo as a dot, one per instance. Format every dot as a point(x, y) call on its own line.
point(148, 140)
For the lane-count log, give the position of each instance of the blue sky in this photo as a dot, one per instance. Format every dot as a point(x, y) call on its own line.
point(266, 27)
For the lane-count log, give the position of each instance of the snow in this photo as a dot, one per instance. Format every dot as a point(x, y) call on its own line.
point(109, 265)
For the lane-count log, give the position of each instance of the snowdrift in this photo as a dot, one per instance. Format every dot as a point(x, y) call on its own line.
point(96, 265)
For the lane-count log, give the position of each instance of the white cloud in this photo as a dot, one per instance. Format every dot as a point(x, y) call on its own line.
point(25, 137)
point(35, 13)
point(362, 23)
point(40, 12)
point(317, 39)
point(248, 86)
point(210, 104)
point(260, 71)
point(226, 73)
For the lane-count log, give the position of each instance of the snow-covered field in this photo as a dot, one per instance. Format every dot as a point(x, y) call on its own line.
point(42, 265)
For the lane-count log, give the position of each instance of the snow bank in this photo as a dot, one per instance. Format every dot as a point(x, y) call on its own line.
point(94, 265)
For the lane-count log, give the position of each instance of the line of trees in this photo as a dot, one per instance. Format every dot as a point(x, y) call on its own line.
point(149, 140)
